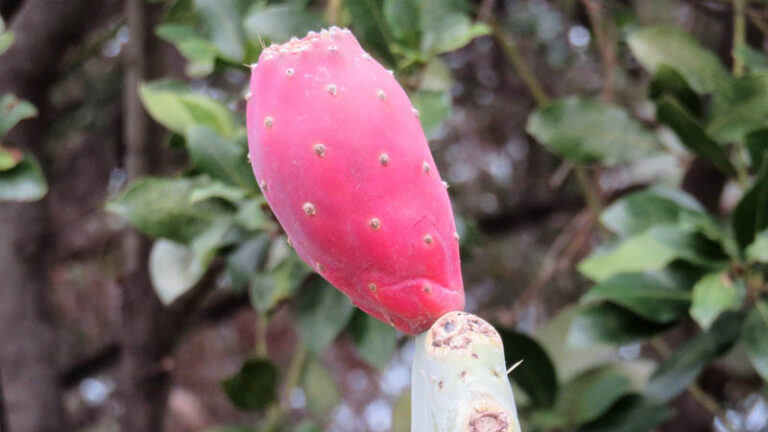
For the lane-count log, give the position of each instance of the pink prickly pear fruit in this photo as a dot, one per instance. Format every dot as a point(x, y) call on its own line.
point(340, 155)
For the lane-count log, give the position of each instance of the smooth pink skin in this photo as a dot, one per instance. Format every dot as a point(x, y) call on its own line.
point(416, 280)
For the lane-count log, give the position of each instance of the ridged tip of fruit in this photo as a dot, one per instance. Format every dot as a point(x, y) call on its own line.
point(488, 415)
point(295, 46)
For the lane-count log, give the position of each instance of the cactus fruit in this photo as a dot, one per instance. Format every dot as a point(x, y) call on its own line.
point(459, 381)
point(340, 155)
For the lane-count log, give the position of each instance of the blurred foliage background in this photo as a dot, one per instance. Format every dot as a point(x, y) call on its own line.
point(607, 165)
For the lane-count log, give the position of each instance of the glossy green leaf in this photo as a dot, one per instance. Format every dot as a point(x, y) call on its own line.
point(447, 26)
point(668, 82)
point(714, 294)
point(200, 52)
point(591, 394)
point(586, 131)
point(9, 158)
point(755, 337)
point(653, 250)
point(307, 426)
point(758, 250)
point(403, 19)
point(757, 145)
point(177, 108)
point(739, 106)
point(221, 19)
point(673, 47)
point(691, 134)
point(278, 23)
point(641, 210)
point(605, 323)
point(434, 108)
point(323, 311)
point(681, 368)
point(174, 269)
point(254, 387)
point(751, 214)
point(321, 390)
point(245, 260)
point(277, 284)
point(376, 341)
point(645, 294)
point(12, 111)
point(536, 375)
point(219, 234)
point(221, 158)
point(163, 208)
point(23, 182)
point(631, 413)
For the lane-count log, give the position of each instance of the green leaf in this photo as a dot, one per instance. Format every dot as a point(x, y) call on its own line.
point(321, 390)
point(24, 182)
point(279, 23)
point(757, 145)
point(376, 341)
point(590, 394)
point(367, 17)
point(673, 47)
point(221, 19)
point(644, 209)
point(180, 12)
point(606, 323)
point(174, 269)
point(6, 40)
point(221, 158)
point(434, 108)
point(254, 387)
point(447, 26)
point(9, 158)
point(644, 294)
point(751, 214)
point(754, 337)
point(536, 375)
point(247, 258)
point(219, 234)
point(323, 311)
point(754, 60)
point(714, 294)
point(739, 107)
point(200, 52)
point(403, 19)
point(251, 216)
point(12, 111)
point(631, 413)
point(216, 189)
point(586, 131)
point(758, 250)
point(653, 250)
point(163, 208)
point(672, 114)
point(668, 82)
point(177, 108)
point(270, 288)
point(681, 368)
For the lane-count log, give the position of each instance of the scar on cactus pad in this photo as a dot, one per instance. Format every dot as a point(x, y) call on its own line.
point(341, 158)
point(459, 380)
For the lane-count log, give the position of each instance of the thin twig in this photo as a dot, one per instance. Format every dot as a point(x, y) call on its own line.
point(739, 36)
point(515, 58)
point(605, 35)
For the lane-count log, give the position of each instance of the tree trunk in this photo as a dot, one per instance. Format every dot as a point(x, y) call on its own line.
point(31, 393)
